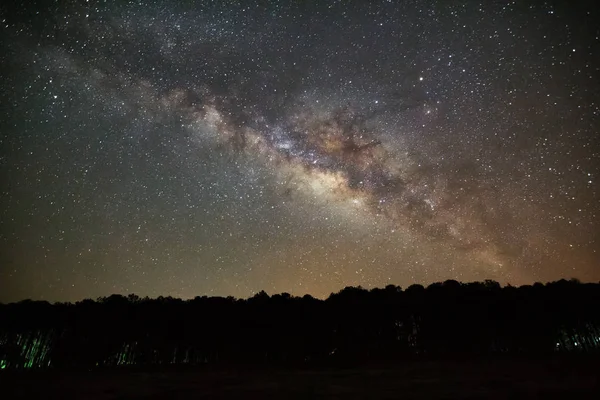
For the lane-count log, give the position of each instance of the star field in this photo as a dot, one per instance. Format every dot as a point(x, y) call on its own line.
point(174, 149)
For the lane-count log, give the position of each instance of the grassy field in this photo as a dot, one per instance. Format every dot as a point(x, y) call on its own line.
point(474, 379)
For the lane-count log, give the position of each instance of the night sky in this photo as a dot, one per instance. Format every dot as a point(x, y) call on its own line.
point(165, 148)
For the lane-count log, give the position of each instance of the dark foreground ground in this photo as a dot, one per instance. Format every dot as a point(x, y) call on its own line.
point(475, 379)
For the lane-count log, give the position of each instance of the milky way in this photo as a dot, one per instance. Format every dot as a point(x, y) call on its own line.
point(164, 149)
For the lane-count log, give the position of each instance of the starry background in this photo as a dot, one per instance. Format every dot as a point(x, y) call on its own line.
point(180, 148)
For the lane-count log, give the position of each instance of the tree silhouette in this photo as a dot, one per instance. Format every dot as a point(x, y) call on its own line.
point(354, 325)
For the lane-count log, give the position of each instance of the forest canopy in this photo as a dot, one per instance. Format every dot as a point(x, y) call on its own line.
point(352, 325)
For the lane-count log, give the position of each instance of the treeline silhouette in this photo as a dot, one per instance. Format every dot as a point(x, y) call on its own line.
point(351, 326)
